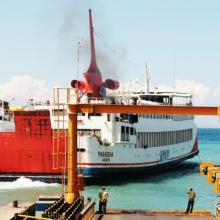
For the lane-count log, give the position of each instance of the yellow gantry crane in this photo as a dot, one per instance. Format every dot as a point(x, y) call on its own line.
point(74, 180)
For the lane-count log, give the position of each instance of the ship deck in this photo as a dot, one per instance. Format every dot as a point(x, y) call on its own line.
point(118, 214)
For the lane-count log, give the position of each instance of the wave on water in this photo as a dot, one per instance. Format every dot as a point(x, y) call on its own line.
point(23, 182)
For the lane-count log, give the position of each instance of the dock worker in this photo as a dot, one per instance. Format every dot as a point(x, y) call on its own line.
point(103, 198)
point(191, 199)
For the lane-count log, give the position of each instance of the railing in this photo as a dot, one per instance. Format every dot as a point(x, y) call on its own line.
point(52, 210)
point(26, 217)
point(217, 211)
point(62, 210)
point(88, 212)
point(73, 209)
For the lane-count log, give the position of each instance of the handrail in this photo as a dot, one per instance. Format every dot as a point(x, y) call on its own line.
point(33, 217)
point(217, 210)
point(87, 208)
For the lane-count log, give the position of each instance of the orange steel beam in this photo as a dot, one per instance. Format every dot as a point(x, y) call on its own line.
point(142, 109)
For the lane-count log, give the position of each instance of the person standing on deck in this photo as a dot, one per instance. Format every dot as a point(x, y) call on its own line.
point(191, 199)
point(103, 198)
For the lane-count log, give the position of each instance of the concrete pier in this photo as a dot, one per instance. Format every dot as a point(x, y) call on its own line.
point(7, 212)
point(119, 214)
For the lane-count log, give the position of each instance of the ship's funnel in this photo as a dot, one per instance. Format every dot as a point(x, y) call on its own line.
point(93, 68)
point(93, 79)
point(93, 75)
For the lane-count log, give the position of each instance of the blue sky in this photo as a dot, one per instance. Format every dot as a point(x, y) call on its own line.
point(179, 39)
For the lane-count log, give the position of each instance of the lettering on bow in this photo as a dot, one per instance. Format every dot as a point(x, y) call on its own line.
point(107, 154)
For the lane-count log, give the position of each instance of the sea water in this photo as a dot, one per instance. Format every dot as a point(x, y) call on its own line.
point(167, 190)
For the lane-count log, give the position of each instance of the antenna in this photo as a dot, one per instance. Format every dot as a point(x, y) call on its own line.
point(174, 74)
point(147, 87)
point(77, 73)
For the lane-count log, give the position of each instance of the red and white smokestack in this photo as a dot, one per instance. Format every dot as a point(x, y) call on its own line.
point(93, 79)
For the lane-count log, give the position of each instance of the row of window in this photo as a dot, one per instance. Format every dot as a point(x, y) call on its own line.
point(90, 132)
point(59, 112)
point(126, 132)
point(174, 117)
point(156, 139)
point(125, 117)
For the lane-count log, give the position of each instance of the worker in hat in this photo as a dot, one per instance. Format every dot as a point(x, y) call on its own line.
point(191, 199)
point(103, 198)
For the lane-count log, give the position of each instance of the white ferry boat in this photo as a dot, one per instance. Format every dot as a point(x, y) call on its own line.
point(113, 143)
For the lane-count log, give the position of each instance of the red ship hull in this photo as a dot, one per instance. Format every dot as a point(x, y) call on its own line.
point(29, 150)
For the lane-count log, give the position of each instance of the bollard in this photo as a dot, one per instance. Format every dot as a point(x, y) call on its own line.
point(15, 203)
point(217, 185)
point(212, 173)
point(204, 167)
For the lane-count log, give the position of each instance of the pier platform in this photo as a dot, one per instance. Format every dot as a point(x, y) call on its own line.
point(8, 211)
point(119, 214)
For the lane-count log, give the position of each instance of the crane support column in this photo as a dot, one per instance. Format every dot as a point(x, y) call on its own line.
point(72, 192)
